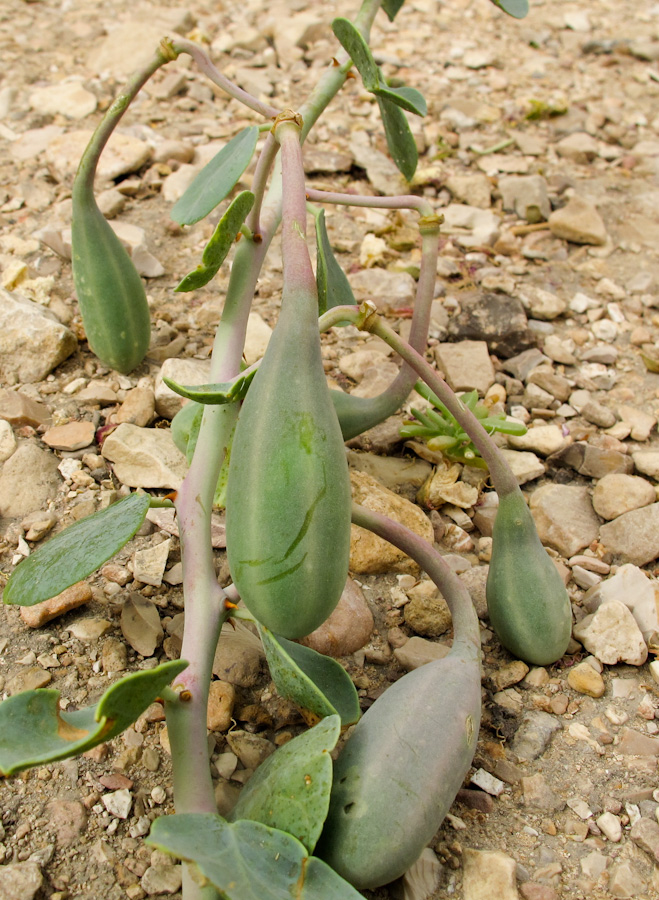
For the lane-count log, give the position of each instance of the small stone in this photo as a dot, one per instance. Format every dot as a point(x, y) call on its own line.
point(31, 679)
point(118, 803)
point(578, 221)
point(28, 480)
point(625, 883)
point(145, 457)
point(473, 190)
point(534, 734)
point(38, 524)
point(71, 598)
point(598, 414)
point(388, 290)
point(539, 795)
point(72, 436)
point(618, 494)
point(348, 627)
point(564, 517)
point(612, 635)
point(32, 340)
point(20, 881)
point(182, 371)
point(428, 616)
point(509, 674)
point(487, 782)
point(7, 440)
point(418, 651)
point(138, 408)
point(113, 656)
point(162, 879)
point(488, 874)
point(585, 680)
point(542, 439)
point(149, 565)
point(543, 305)
point(634, 743)
point(238, 656)
point(525, 466)
point(251, 749)
point(466, 365)
point(526, 196)
point(68, 819)
point(18, 409)
point(578, 147)
point(633, 536)
point(221, 699)
point(645, 834)
point(610, 826)
point(140, 624)
point(647, 462)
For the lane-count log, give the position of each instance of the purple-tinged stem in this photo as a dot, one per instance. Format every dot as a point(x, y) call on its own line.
point(181, 45)
point(405, 201)
point(263, 167)
point(465, 622)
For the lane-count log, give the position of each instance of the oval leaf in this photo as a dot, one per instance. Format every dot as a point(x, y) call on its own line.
point(218, 247)
point(216, 179)
point(33, 730)
point(290, 790)
point(406, 97)
point(316, 683)
point(400, 140)
point(247, 860)
point(332, 282)
point(185, 428)
point(358, 50)
point(75, 553)
point(391, 7)
point(515, 8)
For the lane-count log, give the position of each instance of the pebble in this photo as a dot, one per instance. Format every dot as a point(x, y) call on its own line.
point(534, 734)
point(386, 289)
point(238, 656)
point(487, 782)
point(145, 457)
point(7, 440)
point(526, 196)
point(616, 494)
point(645, 834)
point(612, 635)
point(32, 340)
point(542, 439)
point(122, 155)
point(418, 651)
point(140, 624)
point(525, 466)
point(487, 874)
point(539, 795)
point(149, 564)
point(138, 408)
point(72, 436)
point(162, 879)
point(610, 826)
point(182, 371)
point(422, 879)
point(647, 462)
point(585, 680)
point(625, 882)
point(635, 743)
point(118, 803)
point(71, 598)
point(251, 749)
point(428, 615)
point(564, 517)
point(579, 222)
point(222, 697)
point(20, 880)
point(114, 656)
point(466, 365)
point(641, 423)
point(634, 536)
point(482, 224)
point(18, 409)
point(508, 674)
point(28, 480)
point(68, 819)
point(542, 304)
point(347, 629)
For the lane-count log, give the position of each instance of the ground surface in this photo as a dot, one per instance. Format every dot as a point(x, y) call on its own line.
point(584, 69)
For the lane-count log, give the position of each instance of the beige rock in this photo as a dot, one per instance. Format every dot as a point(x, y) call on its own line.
point(348, 627)
point(488, 874)
point(612, 635)
point(74, 596)
point(617, 494)
point(631, 586)
point(466, 365)
point(122, 155)
point(32, 340)
point(418, 651)
point(145, 457)
point(184, 372)
point(72, 436)
point(564, 517)
point(370, 554)
point(222, 696)
point(585, 680)
point(138, 408)
point(428, 616)
point(19, 409)
point(578, 221)
point(140, 624)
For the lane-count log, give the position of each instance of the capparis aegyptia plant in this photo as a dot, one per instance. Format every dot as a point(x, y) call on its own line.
point(267, 442)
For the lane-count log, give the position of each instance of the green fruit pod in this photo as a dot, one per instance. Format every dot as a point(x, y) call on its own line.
point(288, 494)
point(110, 292)
point(526, 599)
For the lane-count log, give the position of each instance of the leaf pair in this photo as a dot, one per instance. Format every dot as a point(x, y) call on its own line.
point(392, 101)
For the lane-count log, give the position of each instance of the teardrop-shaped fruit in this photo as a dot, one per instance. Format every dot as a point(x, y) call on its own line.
point(288, 496)
point(110, 292)
point(526, 599)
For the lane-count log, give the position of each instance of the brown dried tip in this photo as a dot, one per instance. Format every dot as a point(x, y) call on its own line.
point(185, 696)
point(351, 74)
point(257, 238)
point(229, 605)
point(171, 496)
point(335, 61)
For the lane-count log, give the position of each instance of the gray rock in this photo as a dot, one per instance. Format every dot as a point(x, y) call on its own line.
point(541, 304)
point(612, 635)
point(526, 195)
point(625, 882)
point(238, 656)
point(534, 734)
point(466, 365)
point(474, 190)
point(140, 624)
point(618, 494)
point(380, 170)
point(592, 461)
point(384, 288)
point(495, 318)
point(475, 580)
point(539, 795)
point(418, 651)
point(32, 339)
point(564, 517)
point(162, 879)
point(578, 147)
point(488, 874)
point(29, 479)
point(149, 564)
point(579, 222)
point(634, 536)
point(145, 457)
point(645, 834)
point(347, 628)
point(631, 586)
point(524, 363)
point(471, 226)
point(598, 414)
point(122, 155)
point(20, 881)
point(68, 98)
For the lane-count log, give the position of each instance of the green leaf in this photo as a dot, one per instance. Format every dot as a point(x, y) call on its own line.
point(316, 683)
point(33, 730)
point(515, 8)
point(213, 394)
point(332, 283)
point(75, 553)
point(406, 97)
point(216, 179)
point(290, 790)
point(218, 247)
point(247, 860)
point(391, 7)
point(358, 50)
point(400, 140)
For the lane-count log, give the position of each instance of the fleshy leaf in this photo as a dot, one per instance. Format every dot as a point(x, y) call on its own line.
point(515, 8)
point(332, 282)
point(400, 140)
point(213, 394)
point(185, 428)
point(247, 860)
point(392, 7)
point(316, 683)
point(34, 731)
point(406, 97)
point(359, 51)
point(76, 552)
point(216, 179)
point(217, 249)
point(290, 790)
